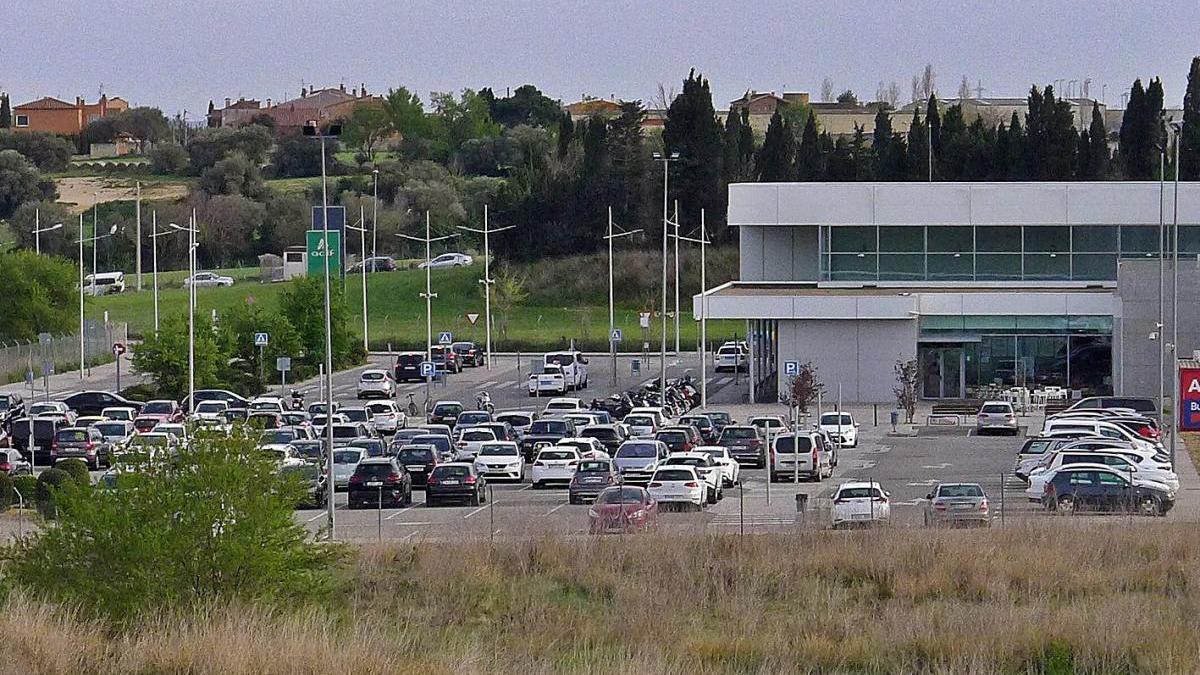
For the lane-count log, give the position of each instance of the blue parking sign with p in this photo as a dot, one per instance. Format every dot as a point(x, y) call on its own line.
point(791, 367)
point(428, 369)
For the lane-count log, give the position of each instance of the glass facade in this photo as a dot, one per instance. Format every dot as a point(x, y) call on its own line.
point(972, 355)
point(989, 252)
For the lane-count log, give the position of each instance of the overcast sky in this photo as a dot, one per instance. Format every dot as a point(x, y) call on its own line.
point(178, 55)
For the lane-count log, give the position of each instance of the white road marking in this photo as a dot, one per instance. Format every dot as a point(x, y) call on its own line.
point(319, 515)
point(553, 509)
point(399, 511)
point(943, 465)
point(413, 523)
point(477, 510)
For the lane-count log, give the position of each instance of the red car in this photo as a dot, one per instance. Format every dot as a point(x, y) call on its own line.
point(157, 412)
point(622, 508)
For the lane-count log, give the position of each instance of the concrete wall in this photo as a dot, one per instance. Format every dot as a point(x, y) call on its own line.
point(779, 254)
point(858, 354)
point(1135, 356)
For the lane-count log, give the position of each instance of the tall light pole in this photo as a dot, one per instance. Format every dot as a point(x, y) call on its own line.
point(703, 241)
point(1162, 347)
point(138, 246)
point(312, 128)
point(662, 357)
point(193, 224)
point(429, 295)
point(361, 228)
point(612, 323)
point(93, 241)
point(154, 235)
point(38, 230)
point(487, 279)
point(375, 215)
point(1176, 129)
point(676, 223)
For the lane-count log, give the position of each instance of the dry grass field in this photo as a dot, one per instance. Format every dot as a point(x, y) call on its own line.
point(1073, 596)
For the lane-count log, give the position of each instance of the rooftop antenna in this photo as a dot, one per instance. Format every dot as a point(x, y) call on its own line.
point(979, 89)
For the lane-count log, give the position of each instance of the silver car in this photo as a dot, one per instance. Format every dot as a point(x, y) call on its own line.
point(957, 504)
point(998, 416)
point(345, 460)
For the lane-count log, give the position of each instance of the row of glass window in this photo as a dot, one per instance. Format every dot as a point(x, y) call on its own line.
point(1057, 324)
point(990, 252)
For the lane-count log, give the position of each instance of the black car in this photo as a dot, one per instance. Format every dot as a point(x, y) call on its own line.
point(745, 443)
point(44, 429)
point(457, 481)
point(704, 424)
point(420, 460)
point(446, 412)
point(610, 435)
point(444, 445)
point(234, 401)
point(591, 477)
point(445, 359)
point(720, 418)
point(311, 450)
point(312, 478)
point(545, 432)
point(377, 481)
point(468, 354)
point(86, 443)
point(1098, 489)
point(408, 366)
point(91, 403)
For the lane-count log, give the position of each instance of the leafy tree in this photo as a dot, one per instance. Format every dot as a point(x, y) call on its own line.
point(163, 356)
point(1051, 146)
point(304, 306)
point(456, 120)
point(234, 175)
point(39, 293)
point(510, 290)
point(406, 115)
point(566, 131)
point(168, 158)
point(210, 146)
point(847, 97)
point(20, 182)
point(367, 127)
point(300, 156)
point(48, 152)
point(774, 163)
point(211, 523)
point(1189, 151)
point(60, 242)
point(236, 335)
point(144, 123)
point(231, 225)
point(692, 130)
point(803, 388)
point(527, 105)
point(5, 112)
point(810, 157)
point(906, 387)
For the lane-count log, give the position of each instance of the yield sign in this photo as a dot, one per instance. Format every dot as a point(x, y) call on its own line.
point(472, 317)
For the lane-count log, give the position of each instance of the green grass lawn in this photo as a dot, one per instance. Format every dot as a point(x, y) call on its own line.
point(396, 312)
point(293, 186)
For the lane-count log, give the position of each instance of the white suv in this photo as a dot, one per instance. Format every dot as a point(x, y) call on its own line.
point(376, 382)
point(860, 503)
point(573, 364)
point(800, 454)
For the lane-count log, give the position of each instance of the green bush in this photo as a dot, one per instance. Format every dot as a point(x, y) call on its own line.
point(78, 470)
point(6, 491)
point(27, 486)
point(49, 483)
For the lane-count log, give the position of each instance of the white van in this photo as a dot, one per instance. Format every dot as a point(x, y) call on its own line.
point(573, 365)
point(105, 283)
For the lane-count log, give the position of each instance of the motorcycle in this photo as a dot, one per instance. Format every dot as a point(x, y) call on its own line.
point(297, 399)
point(483, 401)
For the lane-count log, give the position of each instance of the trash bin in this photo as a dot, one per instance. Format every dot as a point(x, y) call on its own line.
point(801, 502)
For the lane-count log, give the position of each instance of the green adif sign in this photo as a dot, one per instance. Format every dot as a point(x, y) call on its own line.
point(317, 251)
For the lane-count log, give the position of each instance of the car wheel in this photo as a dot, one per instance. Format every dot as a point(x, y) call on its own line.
point(572, 499)
point(1150, 507)
point(475, 499)
point(1066, 505)
point(711, 496)
point(430, 501)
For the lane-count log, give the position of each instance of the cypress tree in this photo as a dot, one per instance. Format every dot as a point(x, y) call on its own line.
point(5, 112)
point(861, 156)
point(775, 157)
point(841, 166)
point(730, 169)
point(1093, 148)
point(1154, 127)
point(883, 149)
point(1189, 151)
point(1016, 149)
point(745, 143)
point(1132, 141)
point(918, 149)
point(808, 155)
point(566, 131)
point(933, 122)
point(692, 130)
point(1000, 154)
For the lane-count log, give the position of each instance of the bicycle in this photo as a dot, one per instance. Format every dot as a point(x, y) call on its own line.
point(412, 406)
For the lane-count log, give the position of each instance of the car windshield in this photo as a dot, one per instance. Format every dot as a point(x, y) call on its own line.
point(715, 453)
point(832, 419)
point(478, 435)
point(555, 455)
point(377, 408)
point(372, 376)
point(515, 419)
point(686, 461)
point(766, 422)
point(355, 414)
point(111, 429)
point(548, 427)
point(562, 405)
point(784, 444)
point(739, 432)
point(499, 450)
point(960, 491)
point(856, 493)
point(278, 436)
point(451, 472)
point(415, 455)
point(157, 408)
point(445, 409)
point(996, 408)
point(259, 405)
point(347, 456)
point(620, 495)
point(371, 445)
point(560, 359)
point(210, 406)
point(673, 475)
point(472, 417)
point(71, 436)
point(374, 469)
point(1037, 446)
point(672, 436)
point(637, 450)
point(345, 431)
point(600, 433)
point(595, 465)
point(639, 420)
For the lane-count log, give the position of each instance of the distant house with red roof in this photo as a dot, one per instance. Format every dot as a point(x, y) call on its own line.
point(56, 116)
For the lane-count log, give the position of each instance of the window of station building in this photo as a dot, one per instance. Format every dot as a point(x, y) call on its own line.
point(1094, 239)
point(1139, 241)
point(1094, 266)
point(902, 267)
point(853, 267)
point(998, 238)
point(998, 267)
point(853, 239)
point(950, 267)
point(1047, 239)
point(1189, 239)
point(950, 239)
point(901, 239)
point(1047, 266)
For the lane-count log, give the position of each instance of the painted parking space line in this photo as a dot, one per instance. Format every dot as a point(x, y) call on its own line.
point(399, 512)
point(319, 515)
point(478, 510)
point(551, 511)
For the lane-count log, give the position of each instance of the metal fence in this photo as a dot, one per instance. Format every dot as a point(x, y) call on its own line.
point(48, 354)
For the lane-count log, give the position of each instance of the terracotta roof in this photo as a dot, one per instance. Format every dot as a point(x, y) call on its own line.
point(46, 103)
point(318, 99)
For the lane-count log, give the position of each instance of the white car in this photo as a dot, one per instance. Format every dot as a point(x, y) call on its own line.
point(447, 260)
point(661, 418)
point(387, 417)
point(640, 425)
point(116, 432)
point(731, 471)
point(470, 441)
point(730, 356)
point(554, 465)
point(770, 425)
point(573, 364)
point(345, 460)
point(1094, 427)
point(549, 381)
point(588, 448)
point(286, 454)
point(376, 382)
point(860, 503)
point(840, 428)
point(53, 409)
point(705, 467)
point(210, 410)
point(267, 404)
point(207, 280)
point(559, 406)
point(179, 431)
point(678, 485)
point(121, 414)
point(501, 459)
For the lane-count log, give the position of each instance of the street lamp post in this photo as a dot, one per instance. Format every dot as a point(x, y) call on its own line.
point(1176, 128)
point(612, 323)
point(361, 228)
point(487, 279)
point(375, 215)
point(666, 162)
point(676, 224)
point(703, 241)
point(93, 241)
point(193, 225)
point(154, 235)
point(429, 295)
point(1162, 347)
point(38, 230)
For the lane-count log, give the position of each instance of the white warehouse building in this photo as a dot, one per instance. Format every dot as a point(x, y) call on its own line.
point(987, 285)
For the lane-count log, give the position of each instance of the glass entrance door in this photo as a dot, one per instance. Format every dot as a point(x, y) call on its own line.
point(942, 370)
